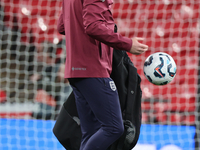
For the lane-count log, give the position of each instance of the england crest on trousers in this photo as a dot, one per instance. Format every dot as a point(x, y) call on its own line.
point(112, 85)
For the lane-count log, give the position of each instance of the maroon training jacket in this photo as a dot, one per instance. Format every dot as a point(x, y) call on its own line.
point(88, 26)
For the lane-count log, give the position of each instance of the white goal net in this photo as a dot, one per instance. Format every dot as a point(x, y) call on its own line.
point(32, 86)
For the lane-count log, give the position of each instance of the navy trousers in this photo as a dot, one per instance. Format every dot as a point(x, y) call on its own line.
point(99, 112)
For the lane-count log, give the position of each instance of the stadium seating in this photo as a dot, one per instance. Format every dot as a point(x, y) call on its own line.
point(33, 19)
point(167, 26)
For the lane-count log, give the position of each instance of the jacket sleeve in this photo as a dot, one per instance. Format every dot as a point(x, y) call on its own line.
point(96, 19)
point(60, 24)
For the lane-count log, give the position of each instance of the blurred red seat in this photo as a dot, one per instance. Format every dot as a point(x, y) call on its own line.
point(43, 97)
point(44, 29)
point(2, 96)
point(161, 117)
point(189, 119)
point(181, 118)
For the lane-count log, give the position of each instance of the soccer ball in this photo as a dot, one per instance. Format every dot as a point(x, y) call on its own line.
point(159, 68)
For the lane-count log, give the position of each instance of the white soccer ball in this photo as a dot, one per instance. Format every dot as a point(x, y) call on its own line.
point(159, 68)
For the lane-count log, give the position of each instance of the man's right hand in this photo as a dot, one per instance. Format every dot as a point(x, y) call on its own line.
point(137, 47)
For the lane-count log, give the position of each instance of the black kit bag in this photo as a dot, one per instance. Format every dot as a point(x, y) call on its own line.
point(127, 82)
point(67, 127)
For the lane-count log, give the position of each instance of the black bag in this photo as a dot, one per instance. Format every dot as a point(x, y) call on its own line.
point(67, 128)
point(127, 82)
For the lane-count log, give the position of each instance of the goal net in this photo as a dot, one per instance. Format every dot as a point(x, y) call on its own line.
point(32, 86)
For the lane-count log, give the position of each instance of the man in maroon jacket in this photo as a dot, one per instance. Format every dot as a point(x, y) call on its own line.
point(88, 26)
